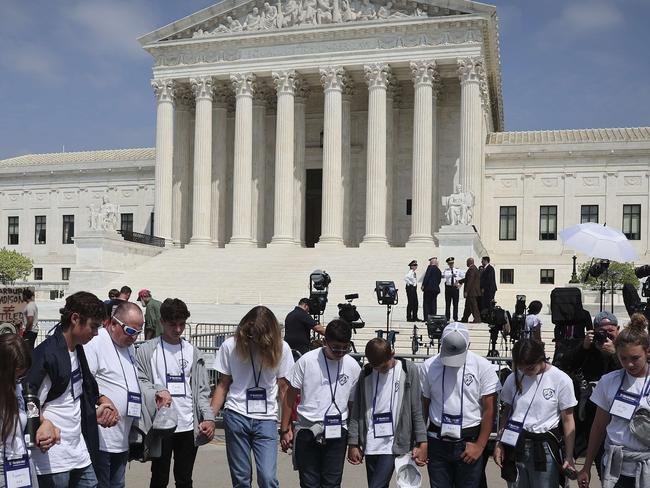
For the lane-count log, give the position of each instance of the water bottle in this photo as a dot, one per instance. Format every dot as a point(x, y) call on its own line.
point(33, 410)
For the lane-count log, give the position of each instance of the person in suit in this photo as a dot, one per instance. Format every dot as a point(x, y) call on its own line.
point(488, 283)
point(431, 288)
point(471, 292)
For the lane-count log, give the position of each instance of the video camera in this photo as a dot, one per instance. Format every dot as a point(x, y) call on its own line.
point(631, 298)
point(319, 282)
point(348, 312)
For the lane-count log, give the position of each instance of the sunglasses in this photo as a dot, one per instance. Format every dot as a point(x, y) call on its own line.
point(128, 330)
point(339, 350)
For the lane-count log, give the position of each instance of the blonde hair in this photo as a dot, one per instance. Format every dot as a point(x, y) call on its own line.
point(635, 333)
point(258, 332)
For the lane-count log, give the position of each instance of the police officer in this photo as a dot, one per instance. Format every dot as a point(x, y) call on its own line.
point(452, 277)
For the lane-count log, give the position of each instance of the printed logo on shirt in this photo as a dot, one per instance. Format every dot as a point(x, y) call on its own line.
point(548, 393)
point(469, 379)
point(183, 363)
point(396, 386)
point(343, 379)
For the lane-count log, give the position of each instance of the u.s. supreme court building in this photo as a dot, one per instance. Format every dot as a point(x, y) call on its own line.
point(345, 135)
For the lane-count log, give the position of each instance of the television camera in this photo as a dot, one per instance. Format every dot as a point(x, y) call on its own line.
point(349, 313)
point(634, 303)
point(319, 282)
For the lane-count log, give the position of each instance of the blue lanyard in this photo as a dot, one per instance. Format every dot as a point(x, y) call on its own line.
point(523, 421)
point(392, 391)
point(165, 359)
point(22, 433)
point(645, 391)
point(462, 392)
point(329, 381)
point(119, 359)
point(255, 378)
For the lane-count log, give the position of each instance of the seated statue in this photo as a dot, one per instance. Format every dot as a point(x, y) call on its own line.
point(459, 207)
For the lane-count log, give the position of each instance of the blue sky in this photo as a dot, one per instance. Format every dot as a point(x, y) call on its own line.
point(72, 73)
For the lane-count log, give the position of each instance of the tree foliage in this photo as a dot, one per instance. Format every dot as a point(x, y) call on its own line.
point(14, 266)
point(619, 273)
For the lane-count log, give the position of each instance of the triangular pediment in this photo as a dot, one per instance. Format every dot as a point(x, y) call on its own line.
point(254, 16)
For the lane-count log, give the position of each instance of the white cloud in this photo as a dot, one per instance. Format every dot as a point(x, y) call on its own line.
point(30, 59)
point(591, 16)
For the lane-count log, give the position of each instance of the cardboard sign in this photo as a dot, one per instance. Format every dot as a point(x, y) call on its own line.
point(12, 304)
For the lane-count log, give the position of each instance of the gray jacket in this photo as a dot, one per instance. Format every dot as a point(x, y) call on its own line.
point(198, 381)
point(410, 428)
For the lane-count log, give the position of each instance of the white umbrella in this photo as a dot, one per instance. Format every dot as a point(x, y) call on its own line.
point(599, 241)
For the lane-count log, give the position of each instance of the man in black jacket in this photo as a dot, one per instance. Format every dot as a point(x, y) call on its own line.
point(298, 326)
point(488, 283)
point(431, 288)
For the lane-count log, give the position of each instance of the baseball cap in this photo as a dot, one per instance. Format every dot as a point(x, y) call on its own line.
point(165, 421)
point(143, 293)
point(605, 315)
point(407, 474)
point(454, 344)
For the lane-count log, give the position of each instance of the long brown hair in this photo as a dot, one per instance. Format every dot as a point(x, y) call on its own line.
point(259, 331)
point(13, 357)
point(526, 352)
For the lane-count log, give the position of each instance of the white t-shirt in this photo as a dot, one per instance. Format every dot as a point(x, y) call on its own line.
point(113, 368)
point(480, 380)
point(387, 389)
point(555, 394)
point(65, 413)
point(618, 430)
point(532, 322)
point(310, 375)
point(176, 359)
point(14, 447)
point(230, 363)
point(31, 310)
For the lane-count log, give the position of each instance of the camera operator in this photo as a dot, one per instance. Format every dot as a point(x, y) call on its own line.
point(298, 325)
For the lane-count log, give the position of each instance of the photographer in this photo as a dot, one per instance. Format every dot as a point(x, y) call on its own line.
point(298, 325)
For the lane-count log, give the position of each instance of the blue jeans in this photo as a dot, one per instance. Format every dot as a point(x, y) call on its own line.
point(244, 434)
point(527, 477)
point(379, 469)
point(320, 464)
point(110, 468)
point(446, 468)
point(75, 478)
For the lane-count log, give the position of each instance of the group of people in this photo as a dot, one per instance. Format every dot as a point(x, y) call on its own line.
point(103, 402)
point(478, 283)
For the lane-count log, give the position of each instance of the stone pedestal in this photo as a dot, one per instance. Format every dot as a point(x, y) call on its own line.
point(461, 242)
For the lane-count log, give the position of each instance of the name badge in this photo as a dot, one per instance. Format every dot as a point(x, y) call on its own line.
point(133, 404)
point(75, 379)
point(383, 424)
point(624, 404)
point(17, 474)
point(176, 385)
point(511, 432)
point(256, 400)
point(451, 426)
point(333, 426)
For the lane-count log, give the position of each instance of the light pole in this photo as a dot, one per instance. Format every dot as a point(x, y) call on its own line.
point(574, 275)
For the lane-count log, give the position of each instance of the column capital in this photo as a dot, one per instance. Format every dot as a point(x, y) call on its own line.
point(221, 93)
point(244, 84)
point(184, 97)
point(285, 81)
point(164, 90)
point(470, 69)
point(332, 78)
point(303, 90)
point(202, 87)
point(424, 72)
point(377, 75)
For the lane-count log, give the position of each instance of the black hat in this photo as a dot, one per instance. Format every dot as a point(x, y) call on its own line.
point(450, 259)
point(413, 263)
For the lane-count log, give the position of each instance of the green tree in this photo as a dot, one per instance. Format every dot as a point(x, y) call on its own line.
point(14, 266)
point(619, 273)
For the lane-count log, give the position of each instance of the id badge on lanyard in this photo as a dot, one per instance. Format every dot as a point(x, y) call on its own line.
point(17, 473)
point(333, 425)
point(451, 426)
point(176, 384)
point(383, 424)
point(76, 380)
point(133, 404)
point(511, 432)
point(256, 400)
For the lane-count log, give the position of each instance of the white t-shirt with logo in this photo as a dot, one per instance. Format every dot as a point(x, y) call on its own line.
point(618, 429)
point(389, 382)
point(310, 375)
point(65, 413)
point(229, 362)
point(176, 359)
point(480, 380)
point(113, 369)
point(31, 310)
point(554, 394)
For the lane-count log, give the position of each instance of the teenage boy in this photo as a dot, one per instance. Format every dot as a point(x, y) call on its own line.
point(386, 417)
point(325, 378)
point(69, 396)
point(459, 390)
point(172, 373)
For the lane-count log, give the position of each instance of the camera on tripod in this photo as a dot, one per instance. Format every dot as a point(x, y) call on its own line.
point(319, 282)
point(349, 313)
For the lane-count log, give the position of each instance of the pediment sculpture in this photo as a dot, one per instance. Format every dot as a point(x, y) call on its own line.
point(293, 13)
point(459, 207)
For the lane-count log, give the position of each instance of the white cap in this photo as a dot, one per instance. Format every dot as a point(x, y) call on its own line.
point(407, 474)
point(454, 344)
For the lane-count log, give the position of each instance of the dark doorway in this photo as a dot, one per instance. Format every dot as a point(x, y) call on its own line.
point(313, 206)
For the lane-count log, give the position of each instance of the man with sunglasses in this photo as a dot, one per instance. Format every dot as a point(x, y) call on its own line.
point(111, 359)
point(325, 378)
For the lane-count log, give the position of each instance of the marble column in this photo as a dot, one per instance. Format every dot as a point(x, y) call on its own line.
point(376, 184)
point(333, 79)
point(244, 86)
point(164, 91)
point(220, 96)
point(285, 85)
point(346, 160)
point(182, 134)
point(392, 153)
point(471, 73)
point(202, 178)
point(299, 174)
point(424, 76)
point(261, 100)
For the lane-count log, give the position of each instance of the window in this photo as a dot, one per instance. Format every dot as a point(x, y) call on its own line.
point(507, 276)
point(40, 229)
point(548, 223)
point(12, 232)
point(68, 229)
point(409, 206)
point(547, 276)
point(632, 222)
point(126, 224)
point(508, 224)
point(38, 274)
point(589, 213)
point(65, 274)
